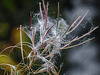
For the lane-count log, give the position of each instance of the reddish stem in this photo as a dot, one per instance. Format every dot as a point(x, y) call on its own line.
point(41, 11)
point(47, 32)
point(46, 16)
point(44, 6)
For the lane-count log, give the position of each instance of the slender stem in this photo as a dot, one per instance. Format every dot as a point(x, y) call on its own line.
point(47, 32)
point(46, 16)
point(75, 45)
point(44, 6)
point(33, 41)
point(71, 25)
point(21, 42)
point(33, 36)
point(78, 23)
point(41, 11)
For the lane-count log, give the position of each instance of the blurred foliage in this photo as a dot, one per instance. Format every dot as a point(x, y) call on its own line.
point(4, 59)
point(4, 27)
point(9, 4)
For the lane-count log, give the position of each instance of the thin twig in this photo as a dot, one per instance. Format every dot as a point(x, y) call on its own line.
point(75, 45)
point(44, 6)
point(71, 25)
point(78, 23)
point(21, 42)
point(40, 10)
point(46, 16)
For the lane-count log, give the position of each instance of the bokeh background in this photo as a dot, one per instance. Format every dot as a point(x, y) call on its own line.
point(83, 60)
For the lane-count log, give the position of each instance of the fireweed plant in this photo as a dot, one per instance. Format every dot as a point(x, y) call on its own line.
point(51, 39)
